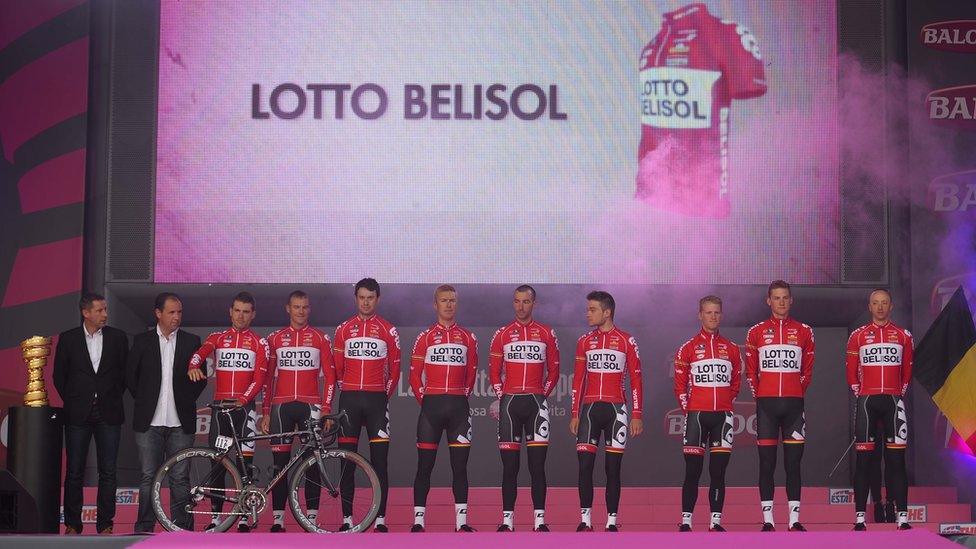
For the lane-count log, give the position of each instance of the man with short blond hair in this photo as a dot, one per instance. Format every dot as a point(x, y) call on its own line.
point(706, 382)
point(442, 374)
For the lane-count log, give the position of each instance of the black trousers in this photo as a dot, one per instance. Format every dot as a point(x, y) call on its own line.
point(77, 439)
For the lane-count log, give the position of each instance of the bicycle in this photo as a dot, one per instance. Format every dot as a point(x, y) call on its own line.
point(316, 466)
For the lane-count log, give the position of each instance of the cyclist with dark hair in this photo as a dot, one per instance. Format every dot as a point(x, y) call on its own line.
point(240, 366)
point(604, 357)
point(367, 363)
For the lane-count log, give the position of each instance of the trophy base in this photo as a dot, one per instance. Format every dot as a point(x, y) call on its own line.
point(35, 435)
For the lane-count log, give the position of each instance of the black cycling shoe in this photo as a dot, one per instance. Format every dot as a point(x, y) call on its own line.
point(465, 528)
point(417, 528)
point(860, 527)
point(583, 527)
point(716, 528)
point(612, 528)
point(345, 527)
point(684, 528)
point(504, 528)
point(277, 528)
point(879, 513)
point(904, 526)
point(541, 528)
point(210, 527)
point(381, 528)
point(890, 514)
point(797, 527)
point(243, 527)
point(768, 527)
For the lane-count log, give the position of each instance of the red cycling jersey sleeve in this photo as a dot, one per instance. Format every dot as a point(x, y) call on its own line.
point(743, 64)
point(579, 374)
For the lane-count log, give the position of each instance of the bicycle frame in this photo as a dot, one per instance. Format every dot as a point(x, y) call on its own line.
point(315, 443)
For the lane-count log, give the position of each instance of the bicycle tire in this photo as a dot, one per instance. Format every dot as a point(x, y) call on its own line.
point(296, 484)
point(162, 516)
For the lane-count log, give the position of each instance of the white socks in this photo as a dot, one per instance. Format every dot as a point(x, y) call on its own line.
point(347, 520)
point(312, 514)
point(585, 516)
point(380, 521)
point(508, 519)
point(540, 517)
point(611, 519)
point(279, 517)
point(794, 512)
point(460, 515)
point(902, 517)
point(716, 518)
point(418, 515)
point(767, 509)
point(686, 518)
point(859, 517)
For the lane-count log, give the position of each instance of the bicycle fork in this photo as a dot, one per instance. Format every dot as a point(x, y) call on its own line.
point(328, 485)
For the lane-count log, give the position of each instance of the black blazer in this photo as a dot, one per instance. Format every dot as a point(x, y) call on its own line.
point(76, 380)
point(143, 374)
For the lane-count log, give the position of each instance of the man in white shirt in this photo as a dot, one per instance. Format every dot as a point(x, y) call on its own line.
point(164, 415)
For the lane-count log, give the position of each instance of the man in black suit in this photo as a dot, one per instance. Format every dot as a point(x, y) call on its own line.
point(89, 374)
point(164, 416)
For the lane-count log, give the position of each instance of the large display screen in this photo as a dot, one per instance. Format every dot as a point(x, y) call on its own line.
point(497, 142)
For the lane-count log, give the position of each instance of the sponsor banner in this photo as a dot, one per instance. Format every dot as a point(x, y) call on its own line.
point(958, 36)
point(953, 192)
point(955, 106)
point(958, 528)
point(127, 496)
point(88, 514)
point(840, 496)
point(917, 513)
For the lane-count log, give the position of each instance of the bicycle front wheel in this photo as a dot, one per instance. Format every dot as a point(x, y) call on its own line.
point(344, 490)
point(202, 487)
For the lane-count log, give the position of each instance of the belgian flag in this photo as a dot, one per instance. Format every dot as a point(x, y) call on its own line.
point(945, 364)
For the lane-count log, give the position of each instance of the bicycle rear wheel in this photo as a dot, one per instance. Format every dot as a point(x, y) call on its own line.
point(318, 503)
point(195, 483)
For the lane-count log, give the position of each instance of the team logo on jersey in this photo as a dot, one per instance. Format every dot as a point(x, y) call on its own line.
point(958, 36)
point(679, 48)
point(955, 106)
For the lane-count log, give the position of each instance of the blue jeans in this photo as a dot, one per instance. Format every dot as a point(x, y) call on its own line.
point(156, 445)
point(77, 439)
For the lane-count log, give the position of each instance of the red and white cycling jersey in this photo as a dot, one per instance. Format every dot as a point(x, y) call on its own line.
point(707, 373)
point(689, 74)
point(297, 359)
point(240, 363)
point(526, 356)
point(879, 360)
point(444, 362)
point(779, 357)
point(602, 361)
point(367, 355)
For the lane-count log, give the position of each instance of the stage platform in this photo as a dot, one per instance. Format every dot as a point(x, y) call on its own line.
point(642, 509)
point(915, 539)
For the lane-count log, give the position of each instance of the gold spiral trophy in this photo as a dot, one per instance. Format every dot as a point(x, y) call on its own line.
point(35, 351)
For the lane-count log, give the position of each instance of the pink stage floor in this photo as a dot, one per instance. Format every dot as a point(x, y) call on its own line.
point(915, 539)
point(642, 509)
